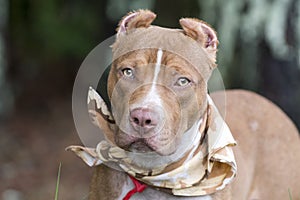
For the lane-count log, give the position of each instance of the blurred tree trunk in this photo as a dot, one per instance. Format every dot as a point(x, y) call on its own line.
point(280, 75)
point(259, 47)
point(169, 14)
point(6, 100)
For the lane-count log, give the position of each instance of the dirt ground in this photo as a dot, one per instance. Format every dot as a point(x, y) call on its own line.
point(32, 145)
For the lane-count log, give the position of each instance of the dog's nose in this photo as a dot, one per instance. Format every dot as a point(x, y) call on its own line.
point(143, 119)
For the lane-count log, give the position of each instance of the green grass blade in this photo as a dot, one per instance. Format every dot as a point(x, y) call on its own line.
point(57, 182)
point(290, 195)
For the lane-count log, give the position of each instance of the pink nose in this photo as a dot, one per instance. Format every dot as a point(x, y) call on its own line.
point(143, 119)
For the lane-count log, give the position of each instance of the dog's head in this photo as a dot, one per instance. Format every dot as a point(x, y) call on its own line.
point(158, 81)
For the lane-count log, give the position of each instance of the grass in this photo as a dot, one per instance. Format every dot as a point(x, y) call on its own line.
point(57, 182)
point(290, 194)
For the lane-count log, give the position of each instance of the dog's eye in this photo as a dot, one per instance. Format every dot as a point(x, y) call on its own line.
point(127, 72)
point(183, 82)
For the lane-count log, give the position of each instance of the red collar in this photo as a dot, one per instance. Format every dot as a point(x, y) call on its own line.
point(138, 187)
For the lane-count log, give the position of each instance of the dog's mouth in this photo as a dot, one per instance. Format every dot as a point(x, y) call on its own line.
point(140, 146)
point(147, 145)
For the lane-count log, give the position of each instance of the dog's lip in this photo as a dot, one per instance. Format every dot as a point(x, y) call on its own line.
point(140, 146)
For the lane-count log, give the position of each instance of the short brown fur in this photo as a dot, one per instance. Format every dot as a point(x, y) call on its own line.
point(268, 149)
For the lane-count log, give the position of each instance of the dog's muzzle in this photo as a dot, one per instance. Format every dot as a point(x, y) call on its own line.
point(146, 122)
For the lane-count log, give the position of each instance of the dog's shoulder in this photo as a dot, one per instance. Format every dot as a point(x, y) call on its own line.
point(267, 143)
point(106, 183)
point(256, 109)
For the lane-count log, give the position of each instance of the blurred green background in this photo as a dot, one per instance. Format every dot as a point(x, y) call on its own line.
point(42, 44)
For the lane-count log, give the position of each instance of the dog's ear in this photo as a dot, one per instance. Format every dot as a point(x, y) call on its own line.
point(202, 33)
point(133, 20)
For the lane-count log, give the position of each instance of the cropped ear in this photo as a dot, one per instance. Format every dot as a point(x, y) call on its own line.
point(133, 20)
point(202, 33)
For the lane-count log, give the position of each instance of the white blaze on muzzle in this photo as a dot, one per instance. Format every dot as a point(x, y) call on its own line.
point(208, 166)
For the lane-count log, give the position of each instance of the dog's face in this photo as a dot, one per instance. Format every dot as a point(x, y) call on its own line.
point(157, 95)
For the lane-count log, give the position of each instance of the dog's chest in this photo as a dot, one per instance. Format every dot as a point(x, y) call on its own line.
point(150, 193)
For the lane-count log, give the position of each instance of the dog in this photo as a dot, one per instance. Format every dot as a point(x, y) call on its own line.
point(165, 134)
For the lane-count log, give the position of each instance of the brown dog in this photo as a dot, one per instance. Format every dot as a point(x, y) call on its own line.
point(165, 133)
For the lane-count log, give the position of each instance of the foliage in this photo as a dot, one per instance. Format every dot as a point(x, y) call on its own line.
point(259, 39)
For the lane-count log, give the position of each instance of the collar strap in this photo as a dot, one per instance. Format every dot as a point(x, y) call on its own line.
point(138, 187)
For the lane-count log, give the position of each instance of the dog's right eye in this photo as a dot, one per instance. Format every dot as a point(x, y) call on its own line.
point(127, 72)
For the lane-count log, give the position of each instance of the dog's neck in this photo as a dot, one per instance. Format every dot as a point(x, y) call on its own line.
point(204, 167)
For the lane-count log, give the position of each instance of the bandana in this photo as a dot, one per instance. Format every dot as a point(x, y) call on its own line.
point(206, 168)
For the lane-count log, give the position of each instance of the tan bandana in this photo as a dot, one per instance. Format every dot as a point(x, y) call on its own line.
point(206, 168)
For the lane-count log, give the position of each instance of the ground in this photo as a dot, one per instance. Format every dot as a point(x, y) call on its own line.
point(32, 145)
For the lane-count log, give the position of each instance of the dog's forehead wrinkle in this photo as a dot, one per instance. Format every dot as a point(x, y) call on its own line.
point(133, 62)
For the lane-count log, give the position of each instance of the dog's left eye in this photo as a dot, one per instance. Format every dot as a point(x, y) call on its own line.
point(127, 72)
point(183, 82)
